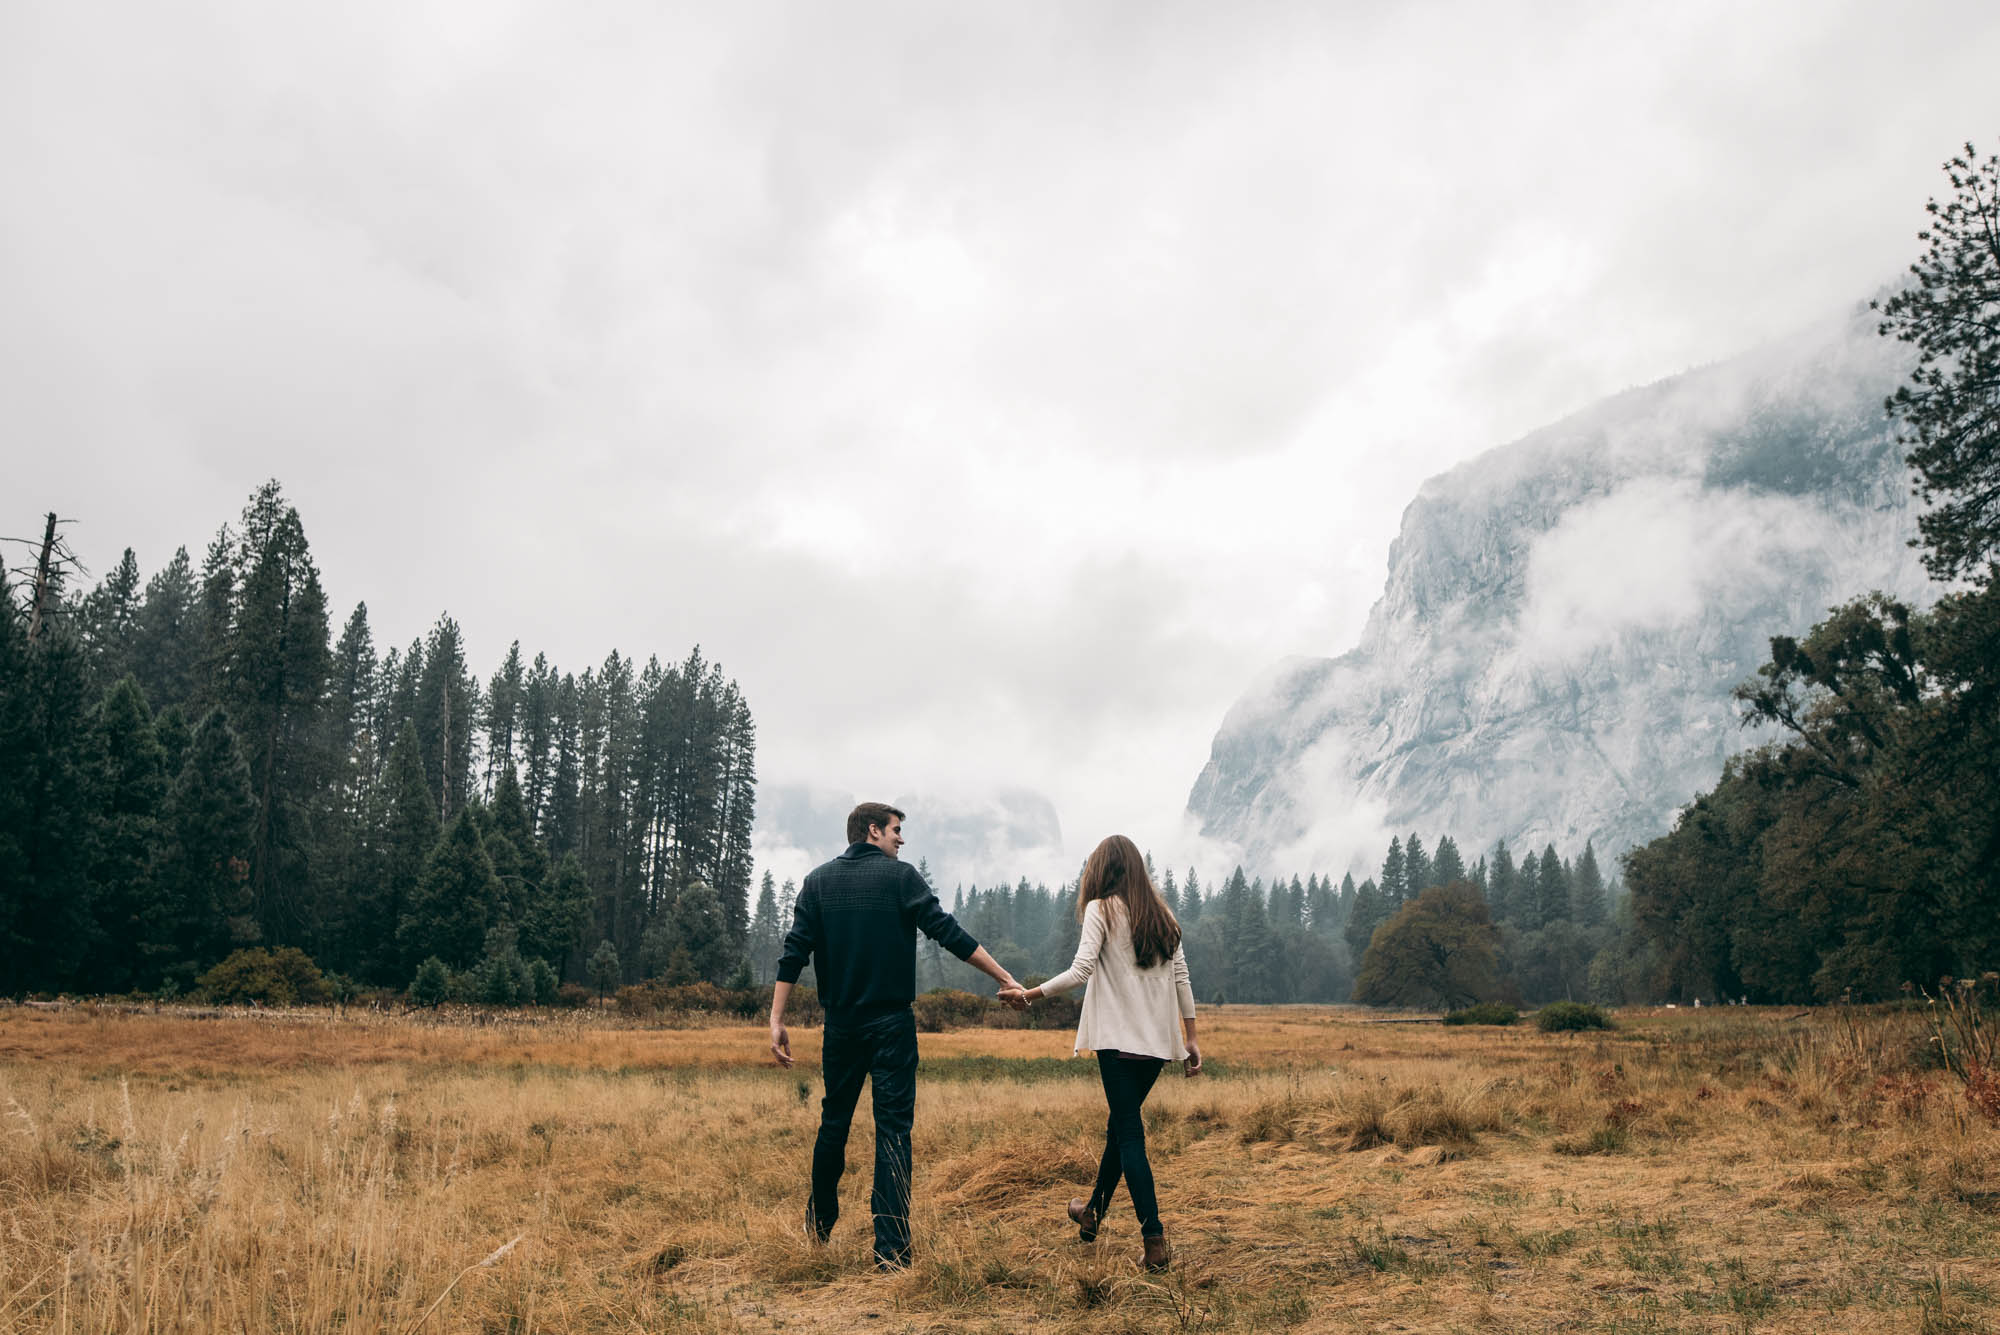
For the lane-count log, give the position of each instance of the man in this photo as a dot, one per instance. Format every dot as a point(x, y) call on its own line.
point(857, 918)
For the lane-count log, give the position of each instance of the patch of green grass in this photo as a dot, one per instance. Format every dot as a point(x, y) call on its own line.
point(1551, 1243)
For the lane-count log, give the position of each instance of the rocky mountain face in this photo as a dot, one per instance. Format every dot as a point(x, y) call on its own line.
point(1552, 657)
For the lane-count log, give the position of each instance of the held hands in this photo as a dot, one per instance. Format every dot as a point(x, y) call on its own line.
point(781, 1043)
point(1192, 1066)
point(1015, 996)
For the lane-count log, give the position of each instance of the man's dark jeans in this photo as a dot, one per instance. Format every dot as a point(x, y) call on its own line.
point(882, 1050)
point(1127, 1082)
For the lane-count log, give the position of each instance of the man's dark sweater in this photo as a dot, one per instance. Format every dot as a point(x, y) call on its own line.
point(857, 919)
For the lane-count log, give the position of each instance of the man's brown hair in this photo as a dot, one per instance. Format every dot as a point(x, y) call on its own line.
point(867, 814)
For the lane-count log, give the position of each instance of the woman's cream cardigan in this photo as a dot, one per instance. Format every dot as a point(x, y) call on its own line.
point(1134, 1010)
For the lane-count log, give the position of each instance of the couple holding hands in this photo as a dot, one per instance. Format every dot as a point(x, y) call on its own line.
point(857, 918)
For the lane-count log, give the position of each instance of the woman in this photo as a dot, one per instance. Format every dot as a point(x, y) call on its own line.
point(1138, 1015)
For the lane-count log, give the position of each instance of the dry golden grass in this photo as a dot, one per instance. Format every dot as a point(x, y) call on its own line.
point(1722, 1171)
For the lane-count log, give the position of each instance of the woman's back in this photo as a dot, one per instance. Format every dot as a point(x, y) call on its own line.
point(1132, 1009)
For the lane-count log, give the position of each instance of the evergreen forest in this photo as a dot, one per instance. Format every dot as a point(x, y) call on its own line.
point(200, 762)
point(1554, 927)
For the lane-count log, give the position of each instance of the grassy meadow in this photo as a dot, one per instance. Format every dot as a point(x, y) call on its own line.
point(1716, 1170)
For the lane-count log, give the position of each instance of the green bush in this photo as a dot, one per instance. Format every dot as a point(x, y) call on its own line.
point(543, 981)
point(1486, 1012)
point(1559, 1016)
point(432, 985)
point(282, 977)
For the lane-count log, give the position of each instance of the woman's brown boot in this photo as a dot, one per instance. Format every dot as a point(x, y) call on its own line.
point(1085, 1219)
point(1158, 1254)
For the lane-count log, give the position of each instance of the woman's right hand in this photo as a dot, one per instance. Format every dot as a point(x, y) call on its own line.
point(1192, 1066)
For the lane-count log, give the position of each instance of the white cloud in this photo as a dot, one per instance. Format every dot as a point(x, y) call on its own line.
point(1113, 339)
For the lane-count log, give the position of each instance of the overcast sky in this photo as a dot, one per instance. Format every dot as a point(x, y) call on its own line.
point(994, 389)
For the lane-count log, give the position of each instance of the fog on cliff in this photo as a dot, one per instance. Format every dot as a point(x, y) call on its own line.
point(995, 391)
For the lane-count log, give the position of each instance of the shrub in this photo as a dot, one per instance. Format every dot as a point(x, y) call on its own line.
point(544, 983)
point(282, 977)
point(1486, 1012)
point(432, 985)
point(1558, 1016)
point(656, 996)
point(947, 1008)
point(575, 995)
point(804, 1007)
point(1058, 1012)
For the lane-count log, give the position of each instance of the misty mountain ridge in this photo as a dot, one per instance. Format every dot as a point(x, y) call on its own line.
point(1564, 618)
point(965, 838)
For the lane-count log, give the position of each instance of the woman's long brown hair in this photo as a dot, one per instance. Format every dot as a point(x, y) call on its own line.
point(1117, 870)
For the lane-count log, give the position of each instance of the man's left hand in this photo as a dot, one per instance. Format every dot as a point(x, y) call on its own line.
point(781, 1044)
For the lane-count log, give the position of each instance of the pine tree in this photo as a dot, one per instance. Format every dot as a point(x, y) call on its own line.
point(1288, 906)
point(1370, 909)
point(736, 786)
point(202, 908)
point(123, 788)
point(1322, 906)
point(277, 668)
point(701, 928)
point(171, 727)
point(1500, 885)
point(508, 814)
point(1447, 867)
point(1586, 891)
point(605, 971)
point(1249, 941)
point(214, 614)
point(1191, 905)
point(406, 831)
point(108, 620)
point(165, 655)
point(456, 899)
point(1946, 407)
point(1170, 891)
point(558, 915)
point(537, 739)
point(1394, 885)
point(1552, 888)
point(766, 931)
point(504, 700)
point(44, 897)
point(339, 859)
point(1416, 868)
point(447, 705)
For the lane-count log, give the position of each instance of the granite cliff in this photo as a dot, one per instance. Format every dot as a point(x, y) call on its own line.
point(1552, 656)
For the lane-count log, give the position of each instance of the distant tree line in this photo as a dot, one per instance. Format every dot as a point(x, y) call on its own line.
point(1859, 856)
point(1300, 939)
point(195, 763)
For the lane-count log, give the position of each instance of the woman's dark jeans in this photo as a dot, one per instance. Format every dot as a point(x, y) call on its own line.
point(882, 1051)
point(1127, 1081)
